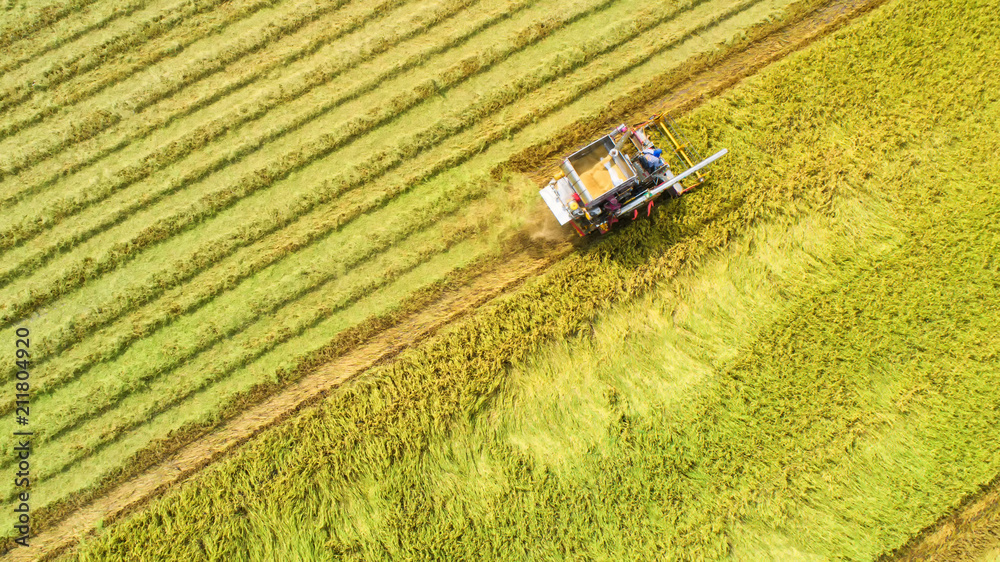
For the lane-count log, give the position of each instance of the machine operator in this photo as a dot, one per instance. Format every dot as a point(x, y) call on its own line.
point(651, 160)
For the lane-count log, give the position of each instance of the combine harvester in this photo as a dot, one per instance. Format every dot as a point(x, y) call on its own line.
point(620, 172)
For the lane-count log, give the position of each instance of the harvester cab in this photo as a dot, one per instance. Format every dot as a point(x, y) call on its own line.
point(620, 172)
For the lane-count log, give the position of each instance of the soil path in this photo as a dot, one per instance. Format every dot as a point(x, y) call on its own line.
point(971, 532)
point(134, 492)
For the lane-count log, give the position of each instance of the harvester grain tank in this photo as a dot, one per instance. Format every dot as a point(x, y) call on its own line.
point(622, 171)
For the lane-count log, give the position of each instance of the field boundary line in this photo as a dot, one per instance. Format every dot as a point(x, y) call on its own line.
point(48, 15)
point(962, 533)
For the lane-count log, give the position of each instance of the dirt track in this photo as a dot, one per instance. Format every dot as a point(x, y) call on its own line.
point(131, 494)
point(969, 533)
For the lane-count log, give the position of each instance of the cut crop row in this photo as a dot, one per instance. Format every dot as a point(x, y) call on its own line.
point(88, 74)
point(193, 73)
point(164, 156)
point(77, 63)
point(220, 125)
point(47, 15)
point(179, 294)
point(71, 31)
point(212, 203)
point(273, 34)
point(142, 127)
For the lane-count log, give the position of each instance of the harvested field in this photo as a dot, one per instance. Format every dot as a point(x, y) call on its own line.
point(799, 361)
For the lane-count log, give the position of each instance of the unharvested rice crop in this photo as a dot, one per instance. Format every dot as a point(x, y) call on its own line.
point(798, 362)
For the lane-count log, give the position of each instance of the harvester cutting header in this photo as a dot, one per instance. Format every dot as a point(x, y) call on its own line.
point(620, 172)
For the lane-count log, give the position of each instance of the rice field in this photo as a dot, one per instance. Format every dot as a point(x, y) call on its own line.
point(799, 362)
point(200, 197)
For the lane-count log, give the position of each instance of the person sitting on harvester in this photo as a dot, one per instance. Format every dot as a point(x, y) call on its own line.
point(650, 159)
